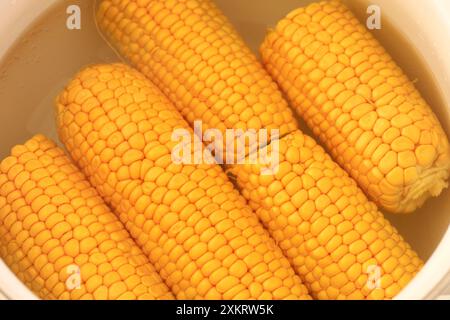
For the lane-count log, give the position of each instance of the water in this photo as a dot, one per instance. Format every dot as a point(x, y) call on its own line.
point(39, 65)
point(47, 55)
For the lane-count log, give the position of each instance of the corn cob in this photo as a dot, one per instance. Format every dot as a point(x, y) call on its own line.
point(191, 52)
point(195, 228)
point(360, 104)
point(336, 239)
point(123, 23)
point(54, 227)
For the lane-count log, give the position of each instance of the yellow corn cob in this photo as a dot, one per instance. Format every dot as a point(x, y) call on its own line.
point(361, 105)
point(195, 228)
point(123, 21)
point(192, 53)
point(60, 238)
point(335, 238)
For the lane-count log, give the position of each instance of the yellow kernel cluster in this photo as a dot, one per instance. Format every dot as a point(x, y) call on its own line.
point(182, 46)
point(195, 228)
point(334, 237)
point(54, 227)
point(359, 102)
point(193, 54)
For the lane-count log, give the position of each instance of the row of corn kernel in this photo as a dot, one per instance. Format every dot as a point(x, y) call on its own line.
point(360, 104)
point(58, 236)
point(191, 52)
point(336, 239)
point(195, 228)
point(167, 42)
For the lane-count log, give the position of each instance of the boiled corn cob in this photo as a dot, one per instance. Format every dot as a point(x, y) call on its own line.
point(145, 39)
point(192, 53)
point(336, 239)
point(60, 238)
point(360, 104)
point(195, 228)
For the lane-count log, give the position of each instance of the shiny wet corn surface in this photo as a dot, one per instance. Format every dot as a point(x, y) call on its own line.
point(193, 54)
point(360, 104)
point(297, 187)
point(195, 228)
point(54, 227)
point(336, 239)
point(199, 238)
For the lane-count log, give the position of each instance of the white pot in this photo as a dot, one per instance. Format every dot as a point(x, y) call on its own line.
point(425, 25)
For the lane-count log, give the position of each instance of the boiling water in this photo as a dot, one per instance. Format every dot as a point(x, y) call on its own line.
point(47, 55)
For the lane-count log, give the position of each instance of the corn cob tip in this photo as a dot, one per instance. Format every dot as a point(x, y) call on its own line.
point(430, 183)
